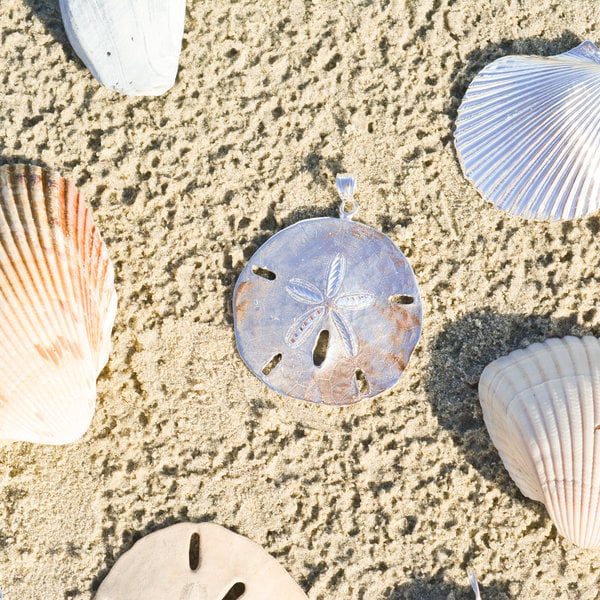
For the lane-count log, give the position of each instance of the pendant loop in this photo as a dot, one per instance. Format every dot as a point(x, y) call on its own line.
point(346, 185)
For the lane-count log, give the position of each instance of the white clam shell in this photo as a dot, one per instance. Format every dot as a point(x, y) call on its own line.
point(58, 304)
point(528, 134)
point(131, 46)
point(541, 406)
point(197, 561)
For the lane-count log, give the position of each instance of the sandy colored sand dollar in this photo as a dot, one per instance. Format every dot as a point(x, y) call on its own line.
point(197, 561)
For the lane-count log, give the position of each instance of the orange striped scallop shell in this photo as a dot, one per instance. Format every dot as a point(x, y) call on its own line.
point(58, 304)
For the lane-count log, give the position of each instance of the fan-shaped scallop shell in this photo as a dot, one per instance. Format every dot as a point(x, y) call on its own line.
point(197, 561)
point(58, 303)
point(541, 406)
point(528, 134)
point(131, 46)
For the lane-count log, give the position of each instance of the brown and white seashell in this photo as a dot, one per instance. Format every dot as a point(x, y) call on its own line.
point(541, 406)
point(197, 561)
point(58, 304)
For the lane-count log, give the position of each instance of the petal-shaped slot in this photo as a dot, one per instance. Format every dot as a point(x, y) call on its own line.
point(361, 381)
point(321, 347)
point(304, 292)
point(402, 299)
point(303, 325)
point(264, 273)
point(346, 333)
point(356, 301)
point(335, 277)
point(194, 552)
point(271, 364)
point(236, 591)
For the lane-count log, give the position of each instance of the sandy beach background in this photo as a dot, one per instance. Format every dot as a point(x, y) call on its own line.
point(390, 499)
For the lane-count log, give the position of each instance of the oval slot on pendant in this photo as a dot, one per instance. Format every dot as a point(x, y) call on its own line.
point(264, 273)
point(321, 347)
point(401, 299)
point(271, 364)
point(361, 382)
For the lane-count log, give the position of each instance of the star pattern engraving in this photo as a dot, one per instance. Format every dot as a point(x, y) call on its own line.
point(328, 302)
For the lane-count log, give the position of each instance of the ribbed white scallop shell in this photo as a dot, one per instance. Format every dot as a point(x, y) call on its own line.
point(528, 134)
point(131, 46)
point(58, 304)
point(197, 561)
point(541, 406)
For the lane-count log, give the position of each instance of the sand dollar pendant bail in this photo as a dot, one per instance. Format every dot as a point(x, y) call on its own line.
point(328, 310)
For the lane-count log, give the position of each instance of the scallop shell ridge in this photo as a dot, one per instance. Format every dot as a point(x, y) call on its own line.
point(58, 303)
point(528, 134)
point(541, 406)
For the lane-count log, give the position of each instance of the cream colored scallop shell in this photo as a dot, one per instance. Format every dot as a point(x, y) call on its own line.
point(528, 134)
point(197, 561)
point(131, 46)
point(541, 406)
point(58, 304)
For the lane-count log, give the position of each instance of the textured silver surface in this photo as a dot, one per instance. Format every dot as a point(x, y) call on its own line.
point(528, 134)
point(329, 275)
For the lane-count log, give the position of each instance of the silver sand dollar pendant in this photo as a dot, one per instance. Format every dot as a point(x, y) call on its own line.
point(328, 310)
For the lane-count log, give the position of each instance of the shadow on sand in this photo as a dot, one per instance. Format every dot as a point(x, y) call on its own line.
point(438, 589)
point(458, 356)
